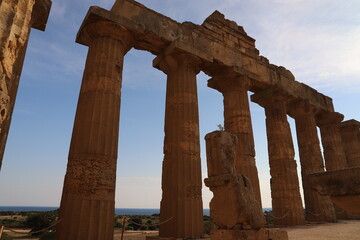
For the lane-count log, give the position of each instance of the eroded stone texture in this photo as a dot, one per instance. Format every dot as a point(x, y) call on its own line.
point(260, 234)
point(234, 205)
point(318, 207)
point(351, 141)
point(17, 17)
point(88, 200)
point(329, 123)
point(220, 38)
point(237, 120)
point(342, 185)
point(285, 192)
point(181, 176)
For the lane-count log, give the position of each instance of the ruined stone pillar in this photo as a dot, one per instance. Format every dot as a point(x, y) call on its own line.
point(335, 158)
point(285, 192)
point(88, 200)
point(17, 19)
point(350, 135)
point(181, 202)
point(319, 208)
point(237, 120)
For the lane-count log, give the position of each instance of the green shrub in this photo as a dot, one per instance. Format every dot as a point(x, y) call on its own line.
point(6, 237)
point(41, 221)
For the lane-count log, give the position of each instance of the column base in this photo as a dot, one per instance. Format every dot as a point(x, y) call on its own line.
point(260, 234)
point(205, 237)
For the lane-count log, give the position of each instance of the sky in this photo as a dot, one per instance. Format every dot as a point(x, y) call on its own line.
point(319, 41)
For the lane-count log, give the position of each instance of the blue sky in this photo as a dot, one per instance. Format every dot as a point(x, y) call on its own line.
point(319, 41)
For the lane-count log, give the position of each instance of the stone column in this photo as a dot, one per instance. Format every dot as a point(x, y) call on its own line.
point(350, 135)
point(335, 158)
point(237, 120)
point(17, 19)
point(181, 178)
point(285, 192)
point(88, 200)
point(318, 208)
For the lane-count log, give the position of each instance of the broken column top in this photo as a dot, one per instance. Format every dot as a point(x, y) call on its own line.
point(40, 14)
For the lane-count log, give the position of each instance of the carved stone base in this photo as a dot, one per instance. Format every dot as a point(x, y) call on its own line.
point(170, 238)
point(260, 234)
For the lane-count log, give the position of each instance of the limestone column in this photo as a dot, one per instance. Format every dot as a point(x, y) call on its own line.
point(285, 192)
point(318, 208)
point(335, 158)
point(17, 18)
point(88, 200)
point(237, 120)
point(350, 135)
point(181, 178)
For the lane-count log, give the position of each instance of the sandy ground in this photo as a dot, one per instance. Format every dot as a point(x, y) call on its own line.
point(342, 230)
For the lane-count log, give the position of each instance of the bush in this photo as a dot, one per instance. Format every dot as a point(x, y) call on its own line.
point(12, 223)
point(6, 237)
point(40, 221)
point(136, 222)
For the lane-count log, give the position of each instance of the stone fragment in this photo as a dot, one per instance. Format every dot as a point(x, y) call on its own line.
point(234, 201)
point(237, 120)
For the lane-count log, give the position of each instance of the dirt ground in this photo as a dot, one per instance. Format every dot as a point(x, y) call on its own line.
point(342, 230)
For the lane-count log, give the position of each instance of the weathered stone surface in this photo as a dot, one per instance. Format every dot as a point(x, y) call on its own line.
point(261, 234)
point(342, 185)
point(88, 200)
point(287, 206)
point(318, 207)
point(181, 179)
point(277, 234)
point(218, 37)
point(334, 154)
point(17, 18)
point(237, 120)
point(350, 135)
point(234, 205)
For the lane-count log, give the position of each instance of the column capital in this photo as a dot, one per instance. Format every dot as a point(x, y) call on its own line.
point(97, 29)
point(270, 96)
point(301, 107)
point(229, 83)
point(350, 125)
point(328, 119)
point(179, 51)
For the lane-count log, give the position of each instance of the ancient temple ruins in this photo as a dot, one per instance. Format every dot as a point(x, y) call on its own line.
point(221, 49)
point(224, 51)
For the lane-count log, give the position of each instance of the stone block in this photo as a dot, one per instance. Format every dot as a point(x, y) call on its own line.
point(224, 234)
point(277, 234)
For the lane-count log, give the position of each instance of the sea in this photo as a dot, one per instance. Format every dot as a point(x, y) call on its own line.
point(118, 211)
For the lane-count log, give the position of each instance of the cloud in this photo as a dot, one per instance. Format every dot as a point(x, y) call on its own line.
point(58, 10)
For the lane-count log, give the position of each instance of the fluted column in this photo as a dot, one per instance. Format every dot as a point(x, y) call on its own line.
point(181, 177)
point(318, 207)
point(335, 158)
point(285, 192)
point(17, 19)
point(88, 200)
point(350, 135)
point(237, 120)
